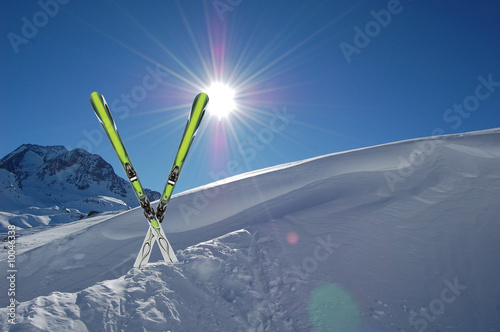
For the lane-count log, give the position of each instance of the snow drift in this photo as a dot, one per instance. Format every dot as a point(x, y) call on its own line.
point(396, 237)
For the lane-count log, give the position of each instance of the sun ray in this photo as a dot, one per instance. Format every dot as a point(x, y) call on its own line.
point(194, 40)
point(244, 116)
point(164, 48)
point(268, 90)
point(213, 76)
point(242, 56)
point(247, 79)
point(235, 139)
point(266, 50)
point(158, 126)
point(138, 53)
point(164, 109)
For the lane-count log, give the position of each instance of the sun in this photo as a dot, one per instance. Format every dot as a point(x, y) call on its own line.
point(221, 100)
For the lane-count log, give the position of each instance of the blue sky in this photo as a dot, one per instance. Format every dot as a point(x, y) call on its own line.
point(311, 77)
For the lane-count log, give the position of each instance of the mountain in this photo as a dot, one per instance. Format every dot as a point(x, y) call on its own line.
point(397, 237)
point(49, 184)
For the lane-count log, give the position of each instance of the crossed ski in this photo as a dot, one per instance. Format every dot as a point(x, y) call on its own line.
point(155, 232)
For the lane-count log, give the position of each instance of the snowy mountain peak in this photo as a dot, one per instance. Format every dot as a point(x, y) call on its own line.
point(30, 156)
point(54, 168)
point(42, 177)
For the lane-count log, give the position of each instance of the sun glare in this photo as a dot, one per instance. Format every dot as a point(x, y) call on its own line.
point(221, 100)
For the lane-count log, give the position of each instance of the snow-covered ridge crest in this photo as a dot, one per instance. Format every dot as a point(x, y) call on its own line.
point(390, 165)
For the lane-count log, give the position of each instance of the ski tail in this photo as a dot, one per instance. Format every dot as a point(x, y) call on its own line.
point(147, 246)
point(193, 123)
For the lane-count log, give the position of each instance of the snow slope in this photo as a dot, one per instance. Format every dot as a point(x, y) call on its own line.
point(396, 237)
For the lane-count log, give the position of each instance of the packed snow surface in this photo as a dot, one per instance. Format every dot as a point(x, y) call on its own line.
point(396, 237)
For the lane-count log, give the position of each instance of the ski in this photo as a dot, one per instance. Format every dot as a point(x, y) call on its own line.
point(193, 123)
point(155, 230)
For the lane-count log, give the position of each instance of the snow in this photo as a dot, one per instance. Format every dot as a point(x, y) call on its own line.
point(39, 236)
point(396, 237)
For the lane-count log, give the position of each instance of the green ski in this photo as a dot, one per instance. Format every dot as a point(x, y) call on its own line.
point(155, 231)
point(193, 123)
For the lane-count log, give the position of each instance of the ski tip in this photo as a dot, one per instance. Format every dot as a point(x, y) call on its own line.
point(202, 95)
point(97, 98)
point(95, 95)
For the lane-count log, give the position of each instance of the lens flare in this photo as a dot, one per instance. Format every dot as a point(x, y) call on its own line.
point(333, 309)
point(292, 237)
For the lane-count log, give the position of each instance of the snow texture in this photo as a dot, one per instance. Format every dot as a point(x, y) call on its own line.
point(396, 237)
